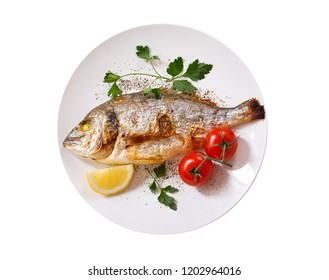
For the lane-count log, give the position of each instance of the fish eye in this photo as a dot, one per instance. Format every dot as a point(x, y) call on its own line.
point(85, 126)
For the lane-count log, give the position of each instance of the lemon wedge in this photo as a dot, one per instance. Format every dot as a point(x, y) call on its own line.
point(110, 180)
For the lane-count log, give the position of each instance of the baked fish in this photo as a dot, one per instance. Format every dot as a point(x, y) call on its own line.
point(136, 129)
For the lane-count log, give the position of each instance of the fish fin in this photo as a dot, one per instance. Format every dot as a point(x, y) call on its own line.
point(247, 111)
point(166, 90)
point(203, 100)
point(148, 161)
point(255, 111)
point(189, 96)
point(133, 161)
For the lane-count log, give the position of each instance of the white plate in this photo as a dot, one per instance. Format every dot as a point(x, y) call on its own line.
point(137, 208)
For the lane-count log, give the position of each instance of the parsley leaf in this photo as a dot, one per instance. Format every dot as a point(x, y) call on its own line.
point(167, 200)
point(183, 85)
point(175, 67)
point(160, 171)
point(114, 91)
point(180, 79)
point(170, 189)
point(156, 91)
point(111, 77)
point(146, 91)
point(197, 71)
point(143, 52)
point(153, 187)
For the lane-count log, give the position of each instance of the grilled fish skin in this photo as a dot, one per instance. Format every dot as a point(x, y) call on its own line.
point(135, 129)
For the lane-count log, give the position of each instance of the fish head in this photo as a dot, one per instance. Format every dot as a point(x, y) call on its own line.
point(94, 137)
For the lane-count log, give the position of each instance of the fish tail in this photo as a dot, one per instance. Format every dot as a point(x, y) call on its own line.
point(246, 112)
point(254, 110)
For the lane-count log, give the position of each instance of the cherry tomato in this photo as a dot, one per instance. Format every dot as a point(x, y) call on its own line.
point(219, 139)
point(194, 169)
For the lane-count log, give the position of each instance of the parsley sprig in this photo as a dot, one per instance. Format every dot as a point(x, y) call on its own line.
point(156, 188)
point(180, 79)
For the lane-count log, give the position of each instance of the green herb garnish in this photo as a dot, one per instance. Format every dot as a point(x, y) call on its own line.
point(180, 80)
point(155, 187)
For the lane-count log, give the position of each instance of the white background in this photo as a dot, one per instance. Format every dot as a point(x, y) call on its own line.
point(279, 230)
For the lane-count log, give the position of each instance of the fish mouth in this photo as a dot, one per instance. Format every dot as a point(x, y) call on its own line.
point(71, 142)
point(89, 149)
point(74, 145)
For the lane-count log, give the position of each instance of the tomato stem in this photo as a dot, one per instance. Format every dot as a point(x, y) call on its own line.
point(224, 145)
point(154, 178)
point(195, 170)
point(222, 161)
